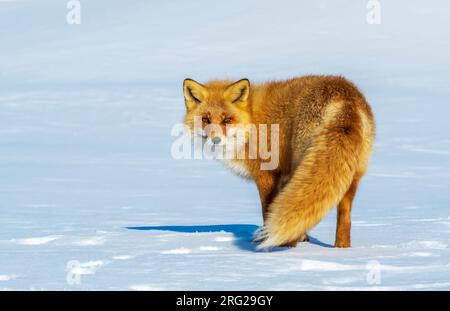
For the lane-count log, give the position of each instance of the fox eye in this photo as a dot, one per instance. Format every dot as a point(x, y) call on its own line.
point(206, 120)
point(227, 120)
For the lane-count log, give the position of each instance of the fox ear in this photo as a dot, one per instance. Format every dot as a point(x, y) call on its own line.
point(238, 92)
point(194, 93)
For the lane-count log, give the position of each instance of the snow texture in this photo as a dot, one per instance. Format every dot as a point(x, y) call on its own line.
point(91, 198)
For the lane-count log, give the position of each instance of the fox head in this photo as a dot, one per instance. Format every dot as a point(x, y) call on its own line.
point(217, 109)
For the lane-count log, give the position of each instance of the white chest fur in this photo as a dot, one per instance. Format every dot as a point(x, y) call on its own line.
point(238, 167)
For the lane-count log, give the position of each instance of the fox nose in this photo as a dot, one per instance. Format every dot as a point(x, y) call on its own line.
point(216, 140)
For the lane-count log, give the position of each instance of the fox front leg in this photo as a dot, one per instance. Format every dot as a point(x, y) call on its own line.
point(267, 184)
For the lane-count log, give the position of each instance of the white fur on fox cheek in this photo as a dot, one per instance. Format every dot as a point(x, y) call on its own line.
point(197, 132)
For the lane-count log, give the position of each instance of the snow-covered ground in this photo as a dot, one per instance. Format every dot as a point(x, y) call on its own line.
point(92, 199)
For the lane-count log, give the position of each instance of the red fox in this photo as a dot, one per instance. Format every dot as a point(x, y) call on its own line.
point(326, 132)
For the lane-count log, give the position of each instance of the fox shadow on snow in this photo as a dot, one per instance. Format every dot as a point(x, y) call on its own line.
point(243, 233)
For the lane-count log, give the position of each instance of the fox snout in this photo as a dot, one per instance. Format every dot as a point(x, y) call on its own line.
point(215, 133)
point(216, 140)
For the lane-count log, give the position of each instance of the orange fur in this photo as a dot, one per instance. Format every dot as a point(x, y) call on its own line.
point(326, 136)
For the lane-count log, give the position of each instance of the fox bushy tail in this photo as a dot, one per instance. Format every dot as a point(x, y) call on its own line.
point(319, 182)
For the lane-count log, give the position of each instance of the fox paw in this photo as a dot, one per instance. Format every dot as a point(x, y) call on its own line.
point(290, 244)
point(303, 238)
point(342, 244)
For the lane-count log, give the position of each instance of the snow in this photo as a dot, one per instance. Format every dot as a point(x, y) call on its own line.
point(84, 268)
point(36, 240)
point(6, 277)
point(92, 199)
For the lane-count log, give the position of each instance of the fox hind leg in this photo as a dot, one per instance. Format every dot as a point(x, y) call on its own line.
point(267, 188)
point(344, 210)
